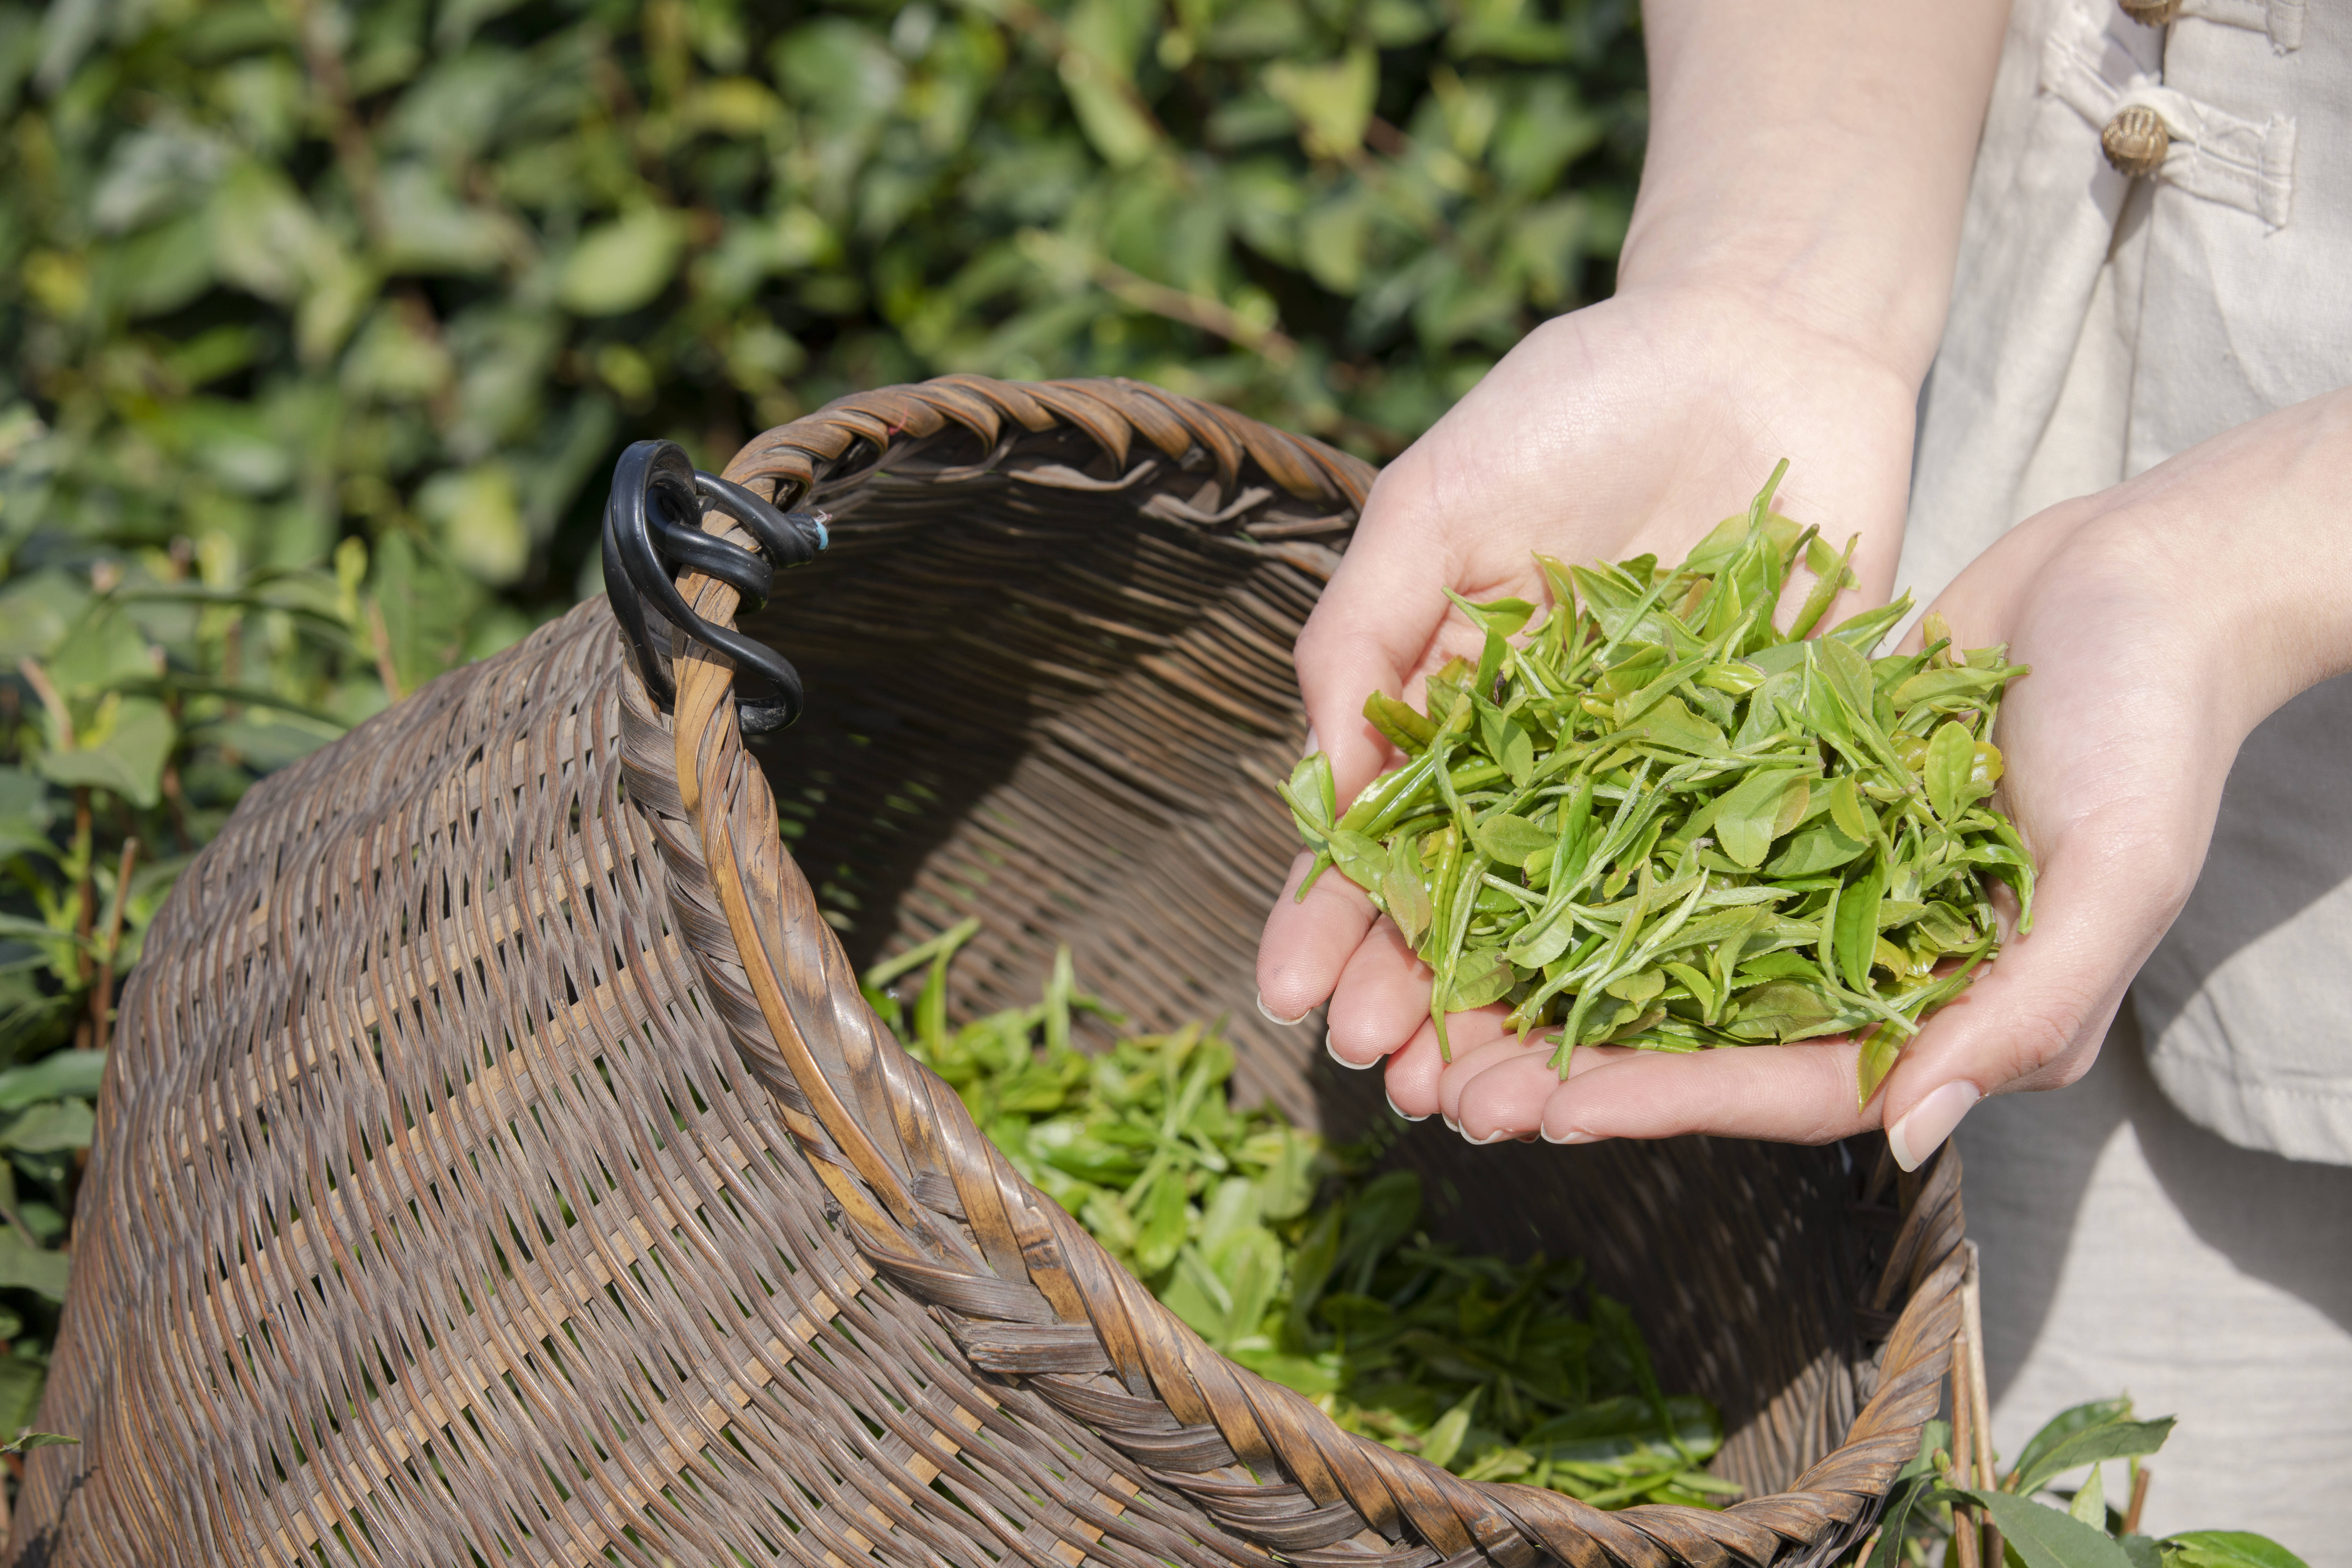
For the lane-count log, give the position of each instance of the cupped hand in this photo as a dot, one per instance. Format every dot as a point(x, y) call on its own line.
point(2162, 619)
point(1633, 426)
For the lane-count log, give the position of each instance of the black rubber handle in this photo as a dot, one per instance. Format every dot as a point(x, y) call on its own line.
point(653, 528)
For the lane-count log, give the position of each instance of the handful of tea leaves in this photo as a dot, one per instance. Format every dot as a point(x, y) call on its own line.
point(1291, 1258)
point(1657, 821)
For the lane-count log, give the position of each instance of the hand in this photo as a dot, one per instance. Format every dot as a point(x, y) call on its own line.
point(2163, 619)
point(1634, 426)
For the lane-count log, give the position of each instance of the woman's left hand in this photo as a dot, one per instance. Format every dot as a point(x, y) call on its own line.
point(2163, 619)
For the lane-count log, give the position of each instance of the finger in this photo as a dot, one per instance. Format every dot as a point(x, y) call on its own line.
point(2035, 1017)
point(1308, 943)
point(1382, 997)
point(1413, 1072)
point(1469, 1064)
point(1372, 625)
point(1793, 1094)
point(1505, 1096)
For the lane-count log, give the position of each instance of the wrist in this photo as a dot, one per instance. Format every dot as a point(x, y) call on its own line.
point(1805, 269)
point(1815, 155)
point(2241, 536)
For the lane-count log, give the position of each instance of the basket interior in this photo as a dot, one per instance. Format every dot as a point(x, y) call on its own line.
point(1051, 687)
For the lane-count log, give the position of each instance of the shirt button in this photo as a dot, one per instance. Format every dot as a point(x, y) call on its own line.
point(2135, 141)
point(2150, 13)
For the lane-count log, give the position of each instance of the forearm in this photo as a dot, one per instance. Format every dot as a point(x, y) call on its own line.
point(1814, 155)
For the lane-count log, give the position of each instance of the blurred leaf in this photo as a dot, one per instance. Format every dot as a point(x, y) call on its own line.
point(622, 265)
point(36, 612)
point(477, 514)
point(26, 1267)
point(63, 1074)
point(1333, 101)
point(127, 757)
point(431, 230)
point(102, 649)
point(25, 812)
point(21, 1382)
point(48, 1128)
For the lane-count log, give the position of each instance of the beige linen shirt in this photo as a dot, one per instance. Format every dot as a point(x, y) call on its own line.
point(2100, 325)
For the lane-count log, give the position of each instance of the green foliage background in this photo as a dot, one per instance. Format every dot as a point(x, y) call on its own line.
point(325, 320)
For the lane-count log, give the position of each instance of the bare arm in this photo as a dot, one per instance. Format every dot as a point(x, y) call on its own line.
point(1816, 156)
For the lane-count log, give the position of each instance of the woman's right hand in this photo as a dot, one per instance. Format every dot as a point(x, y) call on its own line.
point(1632, 427)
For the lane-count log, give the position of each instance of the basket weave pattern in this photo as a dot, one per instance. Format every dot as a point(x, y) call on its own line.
point(499, 1163)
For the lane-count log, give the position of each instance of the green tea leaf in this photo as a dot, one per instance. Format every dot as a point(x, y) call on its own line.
point(1857, 926)
point(1444, 1439)
point(2228, 1549)
point(2067, 1424)
point(1780, 1009)
point(1161, 1225)
point(1501, 617)
point(1519, 756)
point(1855, 818)
point(1880, 1048)
point(1511, 840)
point(2091, 1445)
point(2045, 1538)
point(1399, 722)
point(1312, 795)
point(1823, 847)
point(1482, 977)
point(2090, 1503)
point(1362, 860)
point(1748, 818)
point(1951, 754)
point(1403, 891)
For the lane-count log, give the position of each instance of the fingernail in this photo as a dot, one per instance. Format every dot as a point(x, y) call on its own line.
point(1333, 1052)
point(1497, 1136)
point(1525, 1138)
point(1927, 1124)
point(1313, 745)
point(1274, 1017)
point(1573, 1135)
point(1449, 1122)
point(1408, 1115)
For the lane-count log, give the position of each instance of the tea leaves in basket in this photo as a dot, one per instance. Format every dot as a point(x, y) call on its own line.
point(1289, 1257)
point(1657, 820)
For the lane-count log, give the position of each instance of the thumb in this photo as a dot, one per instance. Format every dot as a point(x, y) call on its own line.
point(2107, 892)
point(1372, 629)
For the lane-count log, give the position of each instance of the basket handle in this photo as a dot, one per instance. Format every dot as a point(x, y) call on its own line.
point(653, 526)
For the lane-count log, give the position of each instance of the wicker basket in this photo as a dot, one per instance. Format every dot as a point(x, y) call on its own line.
point(499, 1165)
